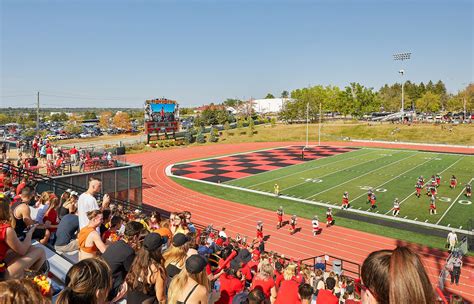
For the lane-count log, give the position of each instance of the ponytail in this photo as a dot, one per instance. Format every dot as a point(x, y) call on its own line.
point(408, 281)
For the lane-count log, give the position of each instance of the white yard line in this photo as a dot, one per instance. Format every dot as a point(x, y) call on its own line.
point(309, 169)
point(393, 178)
point(296, 185)
point(462, 157)
point(370, 172)
point(452, 204)
point(325, 205)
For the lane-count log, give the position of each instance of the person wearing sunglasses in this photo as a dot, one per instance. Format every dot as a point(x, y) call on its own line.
point(395, 276)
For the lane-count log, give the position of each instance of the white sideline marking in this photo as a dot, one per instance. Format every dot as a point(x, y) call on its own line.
point(310, 202)
point(331, 173)
point(370, 172)
point(439, 173)
point(452, 204)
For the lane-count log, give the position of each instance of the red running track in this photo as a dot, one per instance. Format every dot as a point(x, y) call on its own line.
point(160, 191)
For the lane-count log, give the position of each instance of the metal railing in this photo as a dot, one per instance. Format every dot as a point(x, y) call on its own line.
point(349, 268)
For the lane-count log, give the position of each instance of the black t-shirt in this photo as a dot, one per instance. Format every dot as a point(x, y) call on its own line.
point(119, 256)
point(67, 229)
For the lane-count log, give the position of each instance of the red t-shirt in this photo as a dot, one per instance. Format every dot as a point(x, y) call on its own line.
point(51, 216)
point(20, 187)
point(326, 297)
point(230, 286)
point(3, 244)
point(351, 301)
point(265, 285)
point(246, 272)
point(278, 278)
point(288, 293)
point(49, 150)
point(73, 151)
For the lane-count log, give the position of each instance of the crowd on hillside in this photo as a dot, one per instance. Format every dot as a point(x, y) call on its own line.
point(41, 153)
point(127, 255)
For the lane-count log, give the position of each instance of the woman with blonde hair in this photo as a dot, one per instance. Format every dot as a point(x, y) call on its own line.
point(147, 276)
point(288, 291)
point(395, 276)
point(43, 204)
point(191, 285)
point(175, 256)
point(16, 255)
point(88, 281)
point(264, 281)
point(89, 239)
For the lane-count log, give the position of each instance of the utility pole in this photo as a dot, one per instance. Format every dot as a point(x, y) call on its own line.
point(37, 113)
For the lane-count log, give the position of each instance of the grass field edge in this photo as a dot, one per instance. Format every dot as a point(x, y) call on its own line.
point(321, 204)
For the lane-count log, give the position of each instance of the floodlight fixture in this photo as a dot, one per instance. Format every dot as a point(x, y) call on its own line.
point(402, 56)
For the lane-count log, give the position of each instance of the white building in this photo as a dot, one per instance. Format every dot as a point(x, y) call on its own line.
point(271, 105)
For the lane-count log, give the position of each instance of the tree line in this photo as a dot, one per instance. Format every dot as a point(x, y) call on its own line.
point(357, 100)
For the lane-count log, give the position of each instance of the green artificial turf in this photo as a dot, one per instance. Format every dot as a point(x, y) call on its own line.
point(392, 173)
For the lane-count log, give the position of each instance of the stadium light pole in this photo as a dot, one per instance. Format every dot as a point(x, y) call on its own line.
point(402, 57)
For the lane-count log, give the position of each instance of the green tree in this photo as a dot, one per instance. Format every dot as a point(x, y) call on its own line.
point(188, 137)
point(222, 116)
point(227, 126)
point(231, 102)
point(200, 138)
point(269, 96)
point(273, 122)
point(429, 102)
point(214, 135)
point(89, 115)
point(285, 94)
point(251, 123)
point(4, 119)
point(240, 123)
point(73, 128)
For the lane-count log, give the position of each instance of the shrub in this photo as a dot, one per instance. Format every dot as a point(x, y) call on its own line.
point(214, 137)
point(200, 138)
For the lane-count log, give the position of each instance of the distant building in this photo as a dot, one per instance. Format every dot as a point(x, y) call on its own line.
point(59, 113)
point(271, 105)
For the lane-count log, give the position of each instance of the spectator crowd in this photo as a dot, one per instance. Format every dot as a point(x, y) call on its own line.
point(127, 255)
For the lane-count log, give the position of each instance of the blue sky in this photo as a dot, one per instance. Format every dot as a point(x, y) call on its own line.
point(119, 53)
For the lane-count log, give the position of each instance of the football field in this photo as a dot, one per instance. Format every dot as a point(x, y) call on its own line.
point(390, 173)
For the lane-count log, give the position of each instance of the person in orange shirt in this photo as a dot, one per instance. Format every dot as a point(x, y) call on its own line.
point(89, 239)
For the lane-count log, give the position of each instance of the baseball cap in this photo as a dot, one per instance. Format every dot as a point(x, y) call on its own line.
point(195, 264)
point(152, 241)
point(180, 239)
